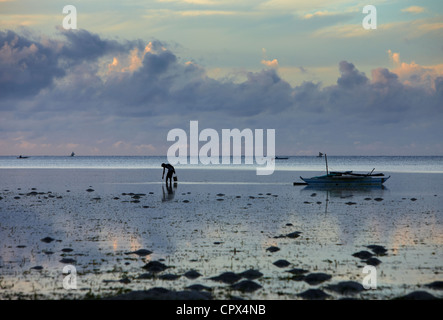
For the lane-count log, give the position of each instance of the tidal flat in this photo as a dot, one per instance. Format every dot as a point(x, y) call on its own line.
point(216, 234)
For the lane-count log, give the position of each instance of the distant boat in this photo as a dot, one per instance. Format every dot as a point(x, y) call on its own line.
point(347, 178)
point(72, 154)
point(320, 155)
point(281, 158)
point(21, 157)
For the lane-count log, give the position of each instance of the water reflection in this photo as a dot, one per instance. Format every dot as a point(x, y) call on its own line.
point(347, 192)
point(169, 194)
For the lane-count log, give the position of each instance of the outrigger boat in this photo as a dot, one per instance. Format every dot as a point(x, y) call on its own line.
point(347, 178)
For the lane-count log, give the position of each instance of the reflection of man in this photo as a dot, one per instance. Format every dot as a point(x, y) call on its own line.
point(170, 195)
point(171, 171)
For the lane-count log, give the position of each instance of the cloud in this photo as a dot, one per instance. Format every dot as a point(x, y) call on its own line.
point(105, 96)
point(413, 9)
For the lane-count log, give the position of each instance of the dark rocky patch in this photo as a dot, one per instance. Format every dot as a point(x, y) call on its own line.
point(437, 285)
point(314, 294)
point(155, 266)
point(373, 261)
point(273, 249)
point(163, 294)
point(227, 277)
point(47, 239)
point(67, 260)
point(346, 287)
point(316, 278)
point(192, 274)
point(281, 263)
point(251, 274)
point(377, 249)
point(169, 276)
point(246, 286)
point(417, 295)
point(363, 254)
point(297, 271)
point(198, 287)
point(140, 252)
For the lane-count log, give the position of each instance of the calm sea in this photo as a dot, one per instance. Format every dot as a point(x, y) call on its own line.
point(410, 164)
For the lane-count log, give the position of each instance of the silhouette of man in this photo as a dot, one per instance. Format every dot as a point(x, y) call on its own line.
point(171, 171)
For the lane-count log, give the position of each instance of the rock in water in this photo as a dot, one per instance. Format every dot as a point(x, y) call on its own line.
point(246, 286)
point(314, 294)
point(251, 274)
point(281, 263)
point(316, 278)
point(192, 274)
point(363, 254)
point(227, 277)
point(140, 252)
point(155, 266)
point(346, 287)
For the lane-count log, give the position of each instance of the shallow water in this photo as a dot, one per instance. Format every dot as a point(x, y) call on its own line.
point(213, 221)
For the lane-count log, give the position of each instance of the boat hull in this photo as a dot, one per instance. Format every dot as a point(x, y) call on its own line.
point(345, 181)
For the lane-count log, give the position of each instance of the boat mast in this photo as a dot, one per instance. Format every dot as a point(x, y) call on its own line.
point(326, 158)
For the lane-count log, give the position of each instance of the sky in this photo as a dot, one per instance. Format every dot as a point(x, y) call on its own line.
point(134, 70)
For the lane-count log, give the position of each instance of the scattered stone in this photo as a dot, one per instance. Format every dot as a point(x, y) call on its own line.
point(350, 203)
point(373, 262)
point(67, 250)
point(146, 276)
point(47, 239)
point(316, 278)
point(297, 271)
point(185, 201)
point(246, 286)
point(378, 199)
point(227, 277)
point(198, 287)
point(437, 285)
point(155, 266)
point(293, 235)
point(281, 263)
point(192, 274)
point(163, 294)
point(169, 276)
point(378, 250)
point(251, 274)
point(89, 190)
point(417, 295)
point(140, 252)
point(273, 249)
point(125, 280)
point(346, 287)
point(220, 194)
point(314, 294)
point(368, 199)
point(37, 268)
point(363, 254)
point(413, 199)
point(21, 246)
point(67, 260)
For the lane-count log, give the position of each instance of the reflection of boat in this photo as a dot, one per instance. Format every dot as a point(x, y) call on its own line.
point(347, 178)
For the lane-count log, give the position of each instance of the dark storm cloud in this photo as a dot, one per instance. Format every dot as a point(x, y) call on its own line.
point(87, 95)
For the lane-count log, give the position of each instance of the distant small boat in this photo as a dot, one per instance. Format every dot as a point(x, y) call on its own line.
point(281, 158)
point(72, 154)
point(21, 157)
point(320, 155)
point(347, 178)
